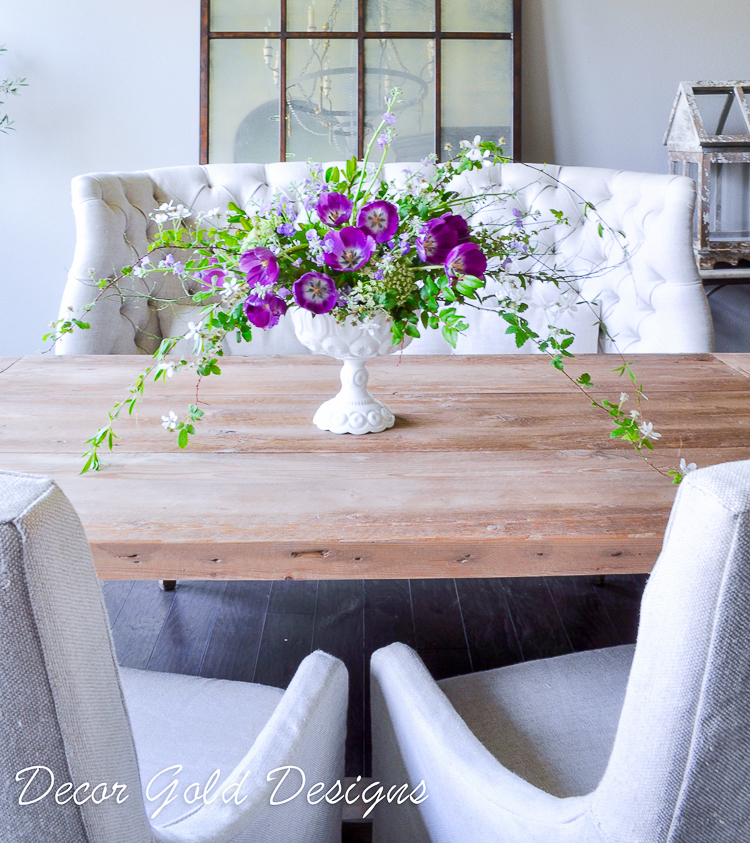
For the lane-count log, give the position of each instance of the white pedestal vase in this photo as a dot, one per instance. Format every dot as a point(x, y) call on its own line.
point(354, 409)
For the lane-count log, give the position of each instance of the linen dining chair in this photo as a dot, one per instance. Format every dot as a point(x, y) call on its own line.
point(67, 711)
point(649, 744)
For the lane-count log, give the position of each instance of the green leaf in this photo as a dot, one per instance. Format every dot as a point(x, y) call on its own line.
point(182, 439)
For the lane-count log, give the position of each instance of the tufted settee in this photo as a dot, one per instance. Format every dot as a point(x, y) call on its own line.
point(652, 300)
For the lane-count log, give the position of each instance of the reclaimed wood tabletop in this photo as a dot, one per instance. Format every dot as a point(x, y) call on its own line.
point(497, 466)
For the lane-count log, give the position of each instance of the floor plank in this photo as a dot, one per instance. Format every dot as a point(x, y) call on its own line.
point(115, 593)
point(187, 628)
point(286, 640)
point(139, 623)
point(339, 630)
point(488, 621)
point(579, 605)
point(232, 651)
point(540, 630)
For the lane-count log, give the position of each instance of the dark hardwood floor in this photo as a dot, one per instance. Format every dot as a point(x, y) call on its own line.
point(261, 631)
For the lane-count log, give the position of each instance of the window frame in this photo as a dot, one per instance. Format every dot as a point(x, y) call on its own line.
point(361, 35)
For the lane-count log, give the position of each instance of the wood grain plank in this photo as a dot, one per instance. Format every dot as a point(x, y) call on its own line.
point(339, 630)
point(286, 640)
point(586, 621)
point(139, 623)
point(115, 593)
point(496, 466)
point(540, 630)
point(490, 631)
point(232, 650)
point(187, 628)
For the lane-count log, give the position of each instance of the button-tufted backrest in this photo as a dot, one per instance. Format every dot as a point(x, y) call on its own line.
point(650, 297)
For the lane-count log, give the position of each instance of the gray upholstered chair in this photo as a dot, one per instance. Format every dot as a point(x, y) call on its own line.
point(643, 745)
point(65, 708)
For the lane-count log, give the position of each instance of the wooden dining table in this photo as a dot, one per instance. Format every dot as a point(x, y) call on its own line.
point(496, 466)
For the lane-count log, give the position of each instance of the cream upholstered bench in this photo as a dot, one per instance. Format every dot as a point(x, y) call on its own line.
point(653, 301)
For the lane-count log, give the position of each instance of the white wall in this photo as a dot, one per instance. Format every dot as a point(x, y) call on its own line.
point(92, 104)
point(600, 77)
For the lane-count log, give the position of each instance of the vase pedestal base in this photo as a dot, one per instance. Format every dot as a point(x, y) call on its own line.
point(354, 410)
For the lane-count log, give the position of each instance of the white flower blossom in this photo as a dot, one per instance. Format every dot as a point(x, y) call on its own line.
point(168, 367)
point(168, 211)
point(194, 332)
point(623, 397)
point(169, 422)
point(474, 152)
point(647, 431)
point(635, 414)
point(231, 287)
point(686, 467)
point(213, 214)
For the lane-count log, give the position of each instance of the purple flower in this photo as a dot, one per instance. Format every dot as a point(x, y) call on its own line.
point(441, 235)
point(519, 218)
point(286, 229)
point(383, 141)
point(389, 118)
point(379, 220)
point(404, 244)
point(334, 209)
point(212, 277)
point(263, 308)
point(466, 259)
point(348, 250)
point(260, 265)
point(315, 292)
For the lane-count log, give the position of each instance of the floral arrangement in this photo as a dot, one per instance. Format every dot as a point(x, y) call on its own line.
point(350, 245)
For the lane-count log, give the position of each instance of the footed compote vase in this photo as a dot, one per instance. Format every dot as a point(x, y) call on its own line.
point(354, 409)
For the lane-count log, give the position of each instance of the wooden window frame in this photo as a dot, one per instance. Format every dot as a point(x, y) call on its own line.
point(361, 35)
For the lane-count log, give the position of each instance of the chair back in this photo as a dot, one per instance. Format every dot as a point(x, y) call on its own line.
point(61, 707)
point(680, 767)
point(651, 298)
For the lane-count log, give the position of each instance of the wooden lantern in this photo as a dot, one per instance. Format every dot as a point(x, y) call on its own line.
point(709, 140)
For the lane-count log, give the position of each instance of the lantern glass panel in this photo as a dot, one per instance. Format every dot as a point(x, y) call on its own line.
point(721, 113)
point(730, 201)
point(244, 100)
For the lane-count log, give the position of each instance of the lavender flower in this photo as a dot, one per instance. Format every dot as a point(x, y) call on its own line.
point(383, 141)
point(348, 250)
point(286, 229)
point(441, 235)
point(260, 265)
point(519, 218)
point(378, 219)
point(263, 308)
point(173, 265)
point(404, 244)
point(315, 292)
point(334, 209)
point(466, 259)
point(389, 118)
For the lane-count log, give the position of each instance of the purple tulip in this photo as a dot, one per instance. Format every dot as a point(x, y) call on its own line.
point(315, 292)
point(263, 308)
point(347, 250)
point(466, 259)
point(441, 235)
point(212, 277)
point(261, 266)
point(334, 209)
point(379, 220)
